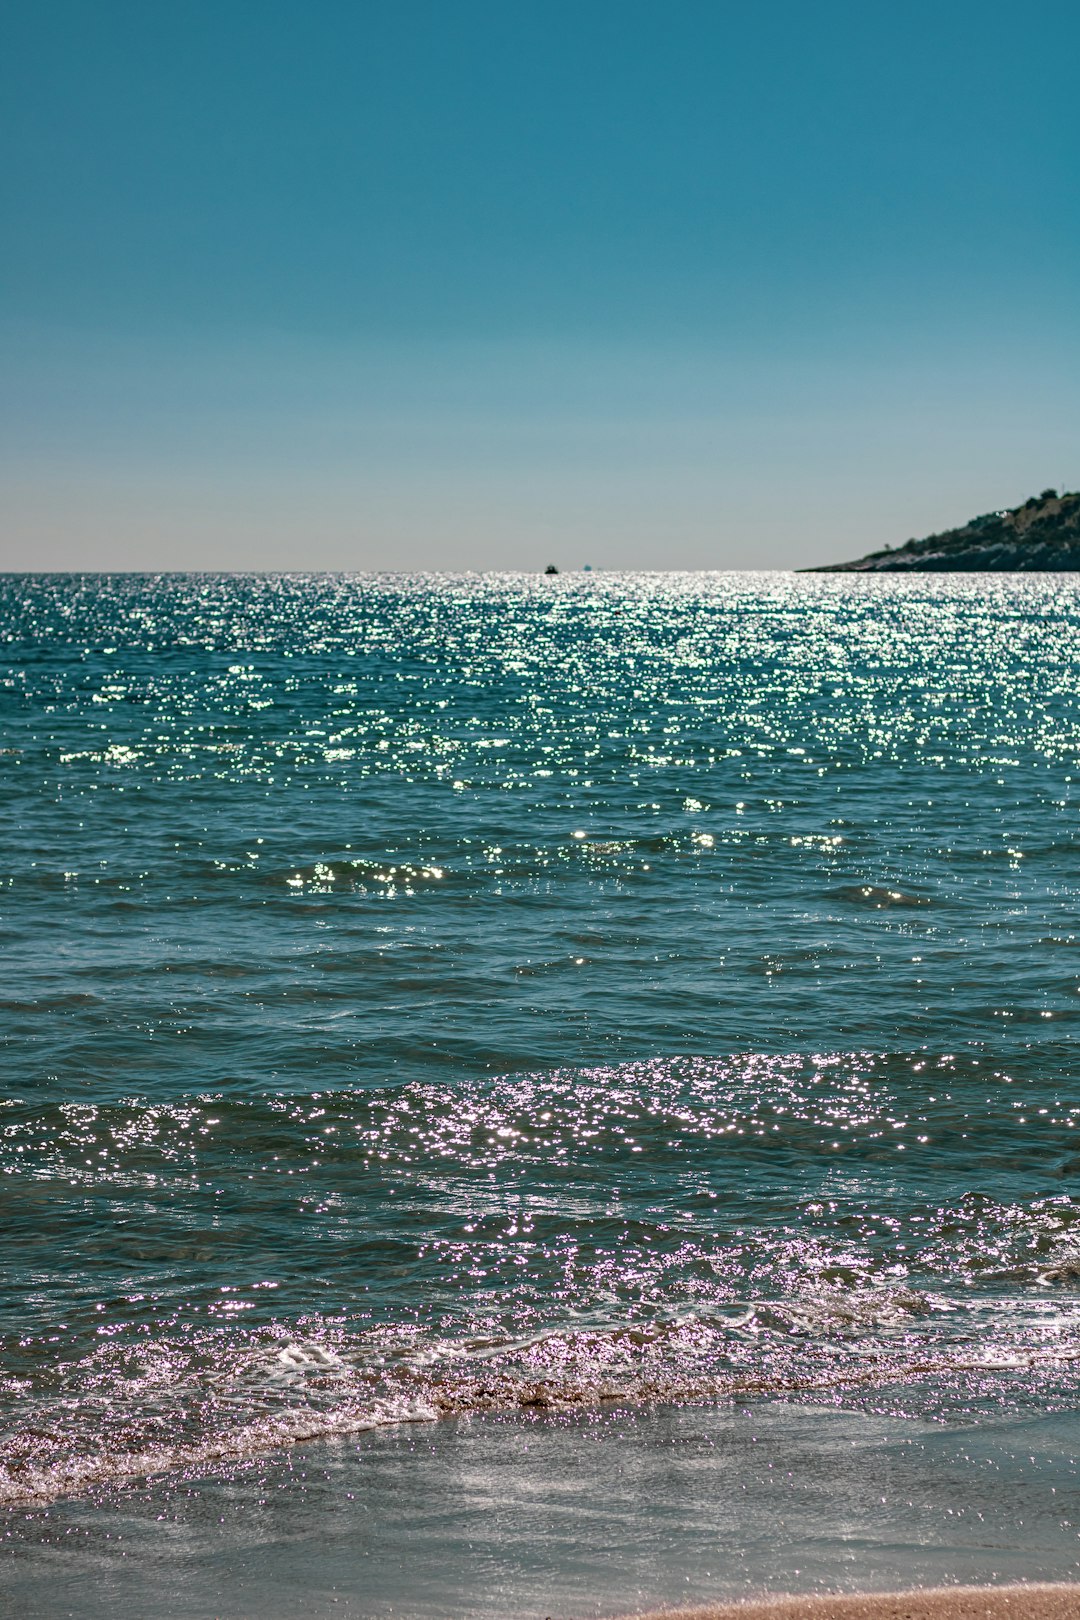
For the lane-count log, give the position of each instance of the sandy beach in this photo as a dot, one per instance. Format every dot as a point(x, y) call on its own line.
point(1028, 1602)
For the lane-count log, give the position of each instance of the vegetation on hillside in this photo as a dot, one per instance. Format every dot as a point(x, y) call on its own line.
point(1042, 534)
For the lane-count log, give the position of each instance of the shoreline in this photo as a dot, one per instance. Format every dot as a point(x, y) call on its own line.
point(1037, 1601)
point(669, 1514)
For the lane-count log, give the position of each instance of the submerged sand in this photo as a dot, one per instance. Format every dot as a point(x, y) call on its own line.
point(1035, 1602)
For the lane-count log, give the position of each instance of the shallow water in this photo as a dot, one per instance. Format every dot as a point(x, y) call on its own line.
point(428, 995)
point(566, 1515)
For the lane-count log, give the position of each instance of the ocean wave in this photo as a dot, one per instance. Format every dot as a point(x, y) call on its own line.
point(190, 1409)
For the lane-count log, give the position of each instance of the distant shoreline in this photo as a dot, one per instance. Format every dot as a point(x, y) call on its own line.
point(1040, 536)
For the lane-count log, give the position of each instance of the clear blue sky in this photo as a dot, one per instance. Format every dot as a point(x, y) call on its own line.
point(464, 284)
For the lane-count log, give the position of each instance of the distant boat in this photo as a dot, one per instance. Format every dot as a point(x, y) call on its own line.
point(551, 569)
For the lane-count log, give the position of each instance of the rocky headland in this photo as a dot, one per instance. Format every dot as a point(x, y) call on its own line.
point(1043, 534)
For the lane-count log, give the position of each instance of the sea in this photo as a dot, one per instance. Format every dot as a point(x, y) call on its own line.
point(508, 1078)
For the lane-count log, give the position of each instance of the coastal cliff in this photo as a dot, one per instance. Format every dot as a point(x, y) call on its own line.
point(1042, 534)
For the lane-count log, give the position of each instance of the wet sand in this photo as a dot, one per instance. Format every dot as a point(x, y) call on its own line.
point(1034, 1602)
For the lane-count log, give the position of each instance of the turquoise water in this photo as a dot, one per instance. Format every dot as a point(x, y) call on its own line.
point(432, 995)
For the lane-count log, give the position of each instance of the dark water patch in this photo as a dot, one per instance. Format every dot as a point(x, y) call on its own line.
point(878, 898)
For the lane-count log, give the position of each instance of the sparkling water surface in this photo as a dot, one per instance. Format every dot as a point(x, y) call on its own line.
point(430, 994)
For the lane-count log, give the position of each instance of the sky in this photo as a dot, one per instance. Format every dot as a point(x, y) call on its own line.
point(458, 284)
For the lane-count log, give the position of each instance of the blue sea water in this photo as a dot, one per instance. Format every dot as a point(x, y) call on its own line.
point(431, 995)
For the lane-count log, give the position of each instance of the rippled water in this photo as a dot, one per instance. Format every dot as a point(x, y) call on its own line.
point(431, 994)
